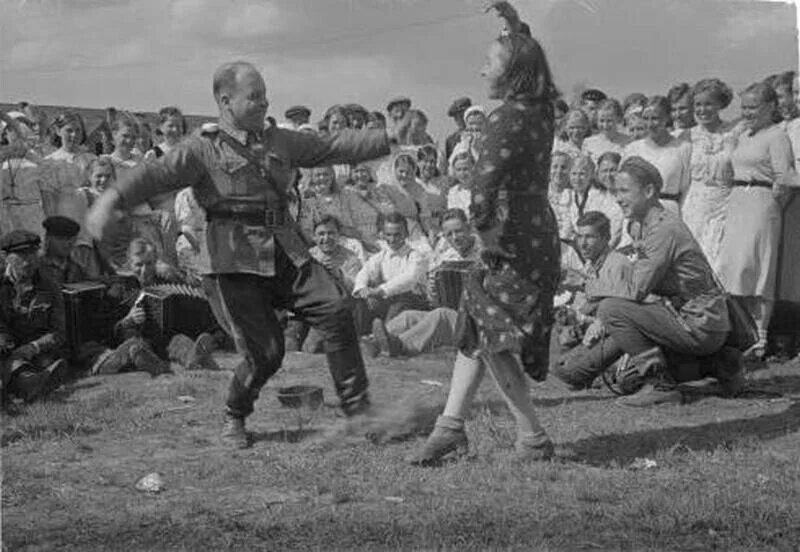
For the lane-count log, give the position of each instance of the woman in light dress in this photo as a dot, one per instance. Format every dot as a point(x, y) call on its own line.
point(713, 141)
point(589, 196)
point(560, 193)
point(670, 155)
point(748, 254)
point(681, 102)
point(577, 127)
point(609, 138)
point(20, 198)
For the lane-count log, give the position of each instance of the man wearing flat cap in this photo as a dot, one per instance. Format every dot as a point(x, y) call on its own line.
point(32, 351)
point(253, 256)
point(297, 116)
point(456, 112)
point(59, 239)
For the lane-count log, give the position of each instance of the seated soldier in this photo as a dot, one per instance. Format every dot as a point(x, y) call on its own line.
point(134, 352)
point(32, 335)
point(57, 263)
point(579, 349)
point(340, 261)
point(412, 332)
point(392, 280)
point(690, 317)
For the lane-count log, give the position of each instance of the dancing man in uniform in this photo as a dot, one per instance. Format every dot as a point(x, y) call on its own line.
point(253, 257)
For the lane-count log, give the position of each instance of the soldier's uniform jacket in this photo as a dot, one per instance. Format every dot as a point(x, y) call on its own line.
point(245, 204)
point(60, 273)
point(669, 263)
point(36, 314)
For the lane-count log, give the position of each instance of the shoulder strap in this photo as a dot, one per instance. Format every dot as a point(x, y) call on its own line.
point(263, 167)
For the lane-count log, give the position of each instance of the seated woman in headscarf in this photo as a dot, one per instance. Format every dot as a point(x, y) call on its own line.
point(409, 198)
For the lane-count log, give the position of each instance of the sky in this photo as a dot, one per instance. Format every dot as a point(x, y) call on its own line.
point(145, 54)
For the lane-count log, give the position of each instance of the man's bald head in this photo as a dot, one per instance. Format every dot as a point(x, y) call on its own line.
point(226, 74)
point(241, 96)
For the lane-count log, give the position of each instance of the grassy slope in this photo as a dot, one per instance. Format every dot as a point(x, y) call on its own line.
point(728, 475)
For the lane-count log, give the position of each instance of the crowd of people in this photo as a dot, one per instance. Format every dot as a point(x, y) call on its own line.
point(398, 233)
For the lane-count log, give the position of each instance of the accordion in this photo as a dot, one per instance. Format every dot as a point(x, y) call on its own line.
point(86, 312)
point(172, 309)
point(449, 280)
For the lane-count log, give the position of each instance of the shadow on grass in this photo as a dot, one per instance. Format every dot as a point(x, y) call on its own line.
point(283, 435)
point(624, 448)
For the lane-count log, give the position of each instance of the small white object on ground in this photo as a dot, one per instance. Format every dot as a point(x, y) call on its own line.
point(394, 499)
point(186, 399)
point(432, 382)
point(644, 464)
point(150, 483)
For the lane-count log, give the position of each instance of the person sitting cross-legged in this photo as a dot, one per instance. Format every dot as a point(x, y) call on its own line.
point(133, 350)
point(412, 332)
point(392, 280)
point(688, 318)
point(341, 262)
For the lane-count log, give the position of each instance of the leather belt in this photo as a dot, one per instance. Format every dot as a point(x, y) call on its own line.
point(670, 197)
point(753, 183)
point(250, 215)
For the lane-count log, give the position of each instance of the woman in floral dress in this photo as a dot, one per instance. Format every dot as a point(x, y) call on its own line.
point(506, 309)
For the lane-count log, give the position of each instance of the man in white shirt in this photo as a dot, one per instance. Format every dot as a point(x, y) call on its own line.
point(416, 331)
point(392, 280)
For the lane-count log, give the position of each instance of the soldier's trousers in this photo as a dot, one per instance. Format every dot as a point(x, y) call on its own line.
point(246, 305)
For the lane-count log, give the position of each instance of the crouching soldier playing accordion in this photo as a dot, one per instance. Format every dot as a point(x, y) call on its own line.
point(253, 256)
point(32, 352)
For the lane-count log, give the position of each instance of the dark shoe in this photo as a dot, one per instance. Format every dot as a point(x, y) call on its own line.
point(528, 452)
point(29, 385)
point(652, 394)
point(728, 368)
point(387, 342)
point(58, 372)
point(234, 435)
point(199, 357)
point(641, 369)
point(357, 406)
point(447, 439)
point(146, 360)
point(112, 361)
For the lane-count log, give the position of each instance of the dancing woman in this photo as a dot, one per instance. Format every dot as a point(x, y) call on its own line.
point(506, 309)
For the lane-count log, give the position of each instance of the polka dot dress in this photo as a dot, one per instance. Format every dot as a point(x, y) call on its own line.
point(507, 302)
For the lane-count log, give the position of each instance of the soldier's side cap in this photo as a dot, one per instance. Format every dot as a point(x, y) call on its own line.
point(398, 100)
point(459, 105)
point(61, 227)
point(297, 110)
point(209, 128)
point(18, 241)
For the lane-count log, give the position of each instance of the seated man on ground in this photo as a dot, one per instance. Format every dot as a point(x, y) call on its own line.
point(133, 351)
point(32, 335)
point(57, 262)
point(689, 319)
point(392, 280)
point(579, 349)
point(416, 331)
point(341, 262)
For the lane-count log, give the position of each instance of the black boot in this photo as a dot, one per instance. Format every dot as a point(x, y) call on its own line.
point(350, 378)
point(646, 376)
